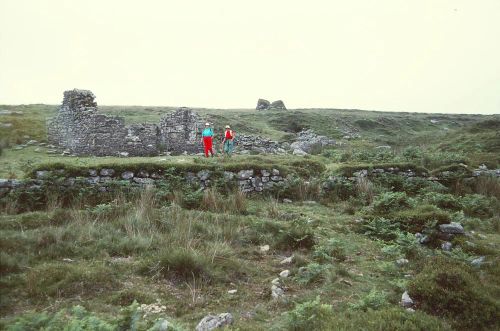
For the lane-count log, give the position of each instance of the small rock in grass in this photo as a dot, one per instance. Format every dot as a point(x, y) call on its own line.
point(285, 273)
point(287, 260)
point(264, 248)
point(401, 262)
point(446, 246)
point(211, 322)
point(275, 281)
point(410, 310)
point(406, 301)
point(232, 291)
point(287, 200)
point(277, 292)
point(346, 282)
point(452, 228)
point(478, 262)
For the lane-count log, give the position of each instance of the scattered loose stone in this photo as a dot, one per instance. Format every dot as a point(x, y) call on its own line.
point(276, 281)
point(162, 325)
point(232, 291)
point(452, 228)
point(446, 246)
point(264, 248)
point(287, 200)
point(211, 322)
point(287, 260)
point(478, 262)
point(410, 310)
point(284, 273)
point(277, 292)
point(346, 282)
point(406, 301)
point(401, 262)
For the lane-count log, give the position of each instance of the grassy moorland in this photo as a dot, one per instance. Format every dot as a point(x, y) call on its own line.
point(123, 261)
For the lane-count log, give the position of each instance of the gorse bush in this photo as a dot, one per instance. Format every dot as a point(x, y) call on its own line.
point(453, 290)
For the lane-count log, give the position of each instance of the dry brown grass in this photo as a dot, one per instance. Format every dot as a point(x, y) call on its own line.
point(364, 188)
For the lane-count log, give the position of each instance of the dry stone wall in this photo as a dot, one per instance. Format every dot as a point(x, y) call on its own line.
point(80, 129)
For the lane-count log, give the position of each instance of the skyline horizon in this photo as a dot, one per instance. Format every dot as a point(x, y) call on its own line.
point(413, 56)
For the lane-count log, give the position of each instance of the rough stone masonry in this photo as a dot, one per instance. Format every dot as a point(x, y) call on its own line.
point(79, 128)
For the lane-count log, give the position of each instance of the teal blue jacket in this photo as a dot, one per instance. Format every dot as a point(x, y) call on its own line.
point(207, 132)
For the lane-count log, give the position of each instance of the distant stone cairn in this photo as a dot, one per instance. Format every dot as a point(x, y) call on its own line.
point(263, 104)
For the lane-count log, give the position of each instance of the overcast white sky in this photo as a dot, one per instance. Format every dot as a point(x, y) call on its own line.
point(394, 55)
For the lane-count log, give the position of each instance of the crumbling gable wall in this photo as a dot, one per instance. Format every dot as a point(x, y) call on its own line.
point(79, 128)
point(181, 131)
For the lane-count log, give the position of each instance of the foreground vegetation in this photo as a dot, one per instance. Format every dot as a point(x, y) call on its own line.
point(132, 258)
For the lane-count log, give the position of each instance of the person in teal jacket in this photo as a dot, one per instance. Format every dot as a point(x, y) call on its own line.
point(207, 137)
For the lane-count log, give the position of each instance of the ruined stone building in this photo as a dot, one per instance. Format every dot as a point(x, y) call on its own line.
point(79, 128)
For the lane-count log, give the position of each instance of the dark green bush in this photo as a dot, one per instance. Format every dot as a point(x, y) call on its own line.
point(417, 219)
point(390, 201)
point(446, 201)
point(298, 234)
point(329, 251)
point(309, 315)
point(381, 228)
point(453, 290)
point(394, 319)
point(479, 205)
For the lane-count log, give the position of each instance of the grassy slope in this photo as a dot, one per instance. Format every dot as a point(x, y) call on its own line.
point(110, 245)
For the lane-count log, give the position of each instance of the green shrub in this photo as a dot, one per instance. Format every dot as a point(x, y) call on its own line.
point(309, 315)
point(390, 201)
point(447, 201)
point(329, 251)
point(338, 188)
point(76, 318)
point(313, 272)
point(451, 289)
point(298, 234)
point(479, 205)
point(373, 300)
point(381, 228)
point(394, 319)
point(417, 219)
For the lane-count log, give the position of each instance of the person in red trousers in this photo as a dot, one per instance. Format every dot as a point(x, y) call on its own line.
point(207, 137)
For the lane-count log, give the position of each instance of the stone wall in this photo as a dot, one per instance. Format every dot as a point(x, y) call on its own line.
point(181, 131)
point(80, 129)
point(248, 180)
